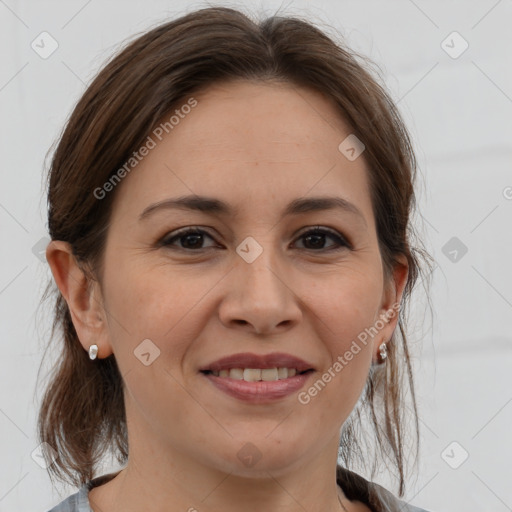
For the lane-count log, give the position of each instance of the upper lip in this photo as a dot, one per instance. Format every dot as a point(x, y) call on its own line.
point(248, 360)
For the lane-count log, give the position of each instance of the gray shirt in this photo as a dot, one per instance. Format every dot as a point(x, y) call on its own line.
point(375, 496)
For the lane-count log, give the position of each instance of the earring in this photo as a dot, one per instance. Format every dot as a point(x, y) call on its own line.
point(93, 351)
point(383, 352)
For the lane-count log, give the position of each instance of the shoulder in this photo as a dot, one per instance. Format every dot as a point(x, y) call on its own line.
point(388, 502)
point(77, 502)
point(376, 497)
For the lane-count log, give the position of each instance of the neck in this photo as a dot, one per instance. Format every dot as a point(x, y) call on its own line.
point(165, 482)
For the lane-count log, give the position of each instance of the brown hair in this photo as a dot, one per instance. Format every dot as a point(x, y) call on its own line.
point(82, 415)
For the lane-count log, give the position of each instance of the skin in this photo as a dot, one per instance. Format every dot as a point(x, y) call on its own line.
point(257, 147)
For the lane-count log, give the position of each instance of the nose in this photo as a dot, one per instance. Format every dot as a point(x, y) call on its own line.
point(259, 297)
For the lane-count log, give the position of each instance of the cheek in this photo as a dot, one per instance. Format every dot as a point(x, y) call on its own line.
point(344, 312)
point(345, 304)
point(155, 303)
point(160, 306)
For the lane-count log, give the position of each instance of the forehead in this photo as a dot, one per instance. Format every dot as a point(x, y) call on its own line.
point(245, 142)
point(263, 120)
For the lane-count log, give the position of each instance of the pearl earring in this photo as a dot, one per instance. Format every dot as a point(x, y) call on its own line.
point(93, 351)
point(383, 352)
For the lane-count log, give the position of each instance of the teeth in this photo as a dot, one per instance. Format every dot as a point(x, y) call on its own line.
point(234, 373)
point(252, 375)
point(255, 374)
point(269, 374)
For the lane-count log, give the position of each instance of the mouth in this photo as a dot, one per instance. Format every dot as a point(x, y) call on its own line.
point(256, 374)
point(252, 363)
point(258, 378)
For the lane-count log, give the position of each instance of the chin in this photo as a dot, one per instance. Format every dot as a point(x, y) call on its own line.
point(259, 458)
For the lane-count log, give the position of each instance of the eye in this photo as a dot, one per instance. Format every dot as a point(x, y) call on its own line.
point(190, 238)
point(316, 237)
point(193, 239)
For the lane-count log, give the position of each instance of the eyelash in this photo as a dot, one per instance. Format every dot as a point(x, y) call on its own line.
point(342, 242)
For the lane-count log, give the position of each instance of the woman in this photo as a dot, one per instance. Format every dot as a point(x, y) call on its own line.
point(229, 212)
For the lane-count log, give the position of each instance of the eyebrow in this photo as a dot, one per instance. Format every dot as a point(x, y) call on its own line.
point(218, 207)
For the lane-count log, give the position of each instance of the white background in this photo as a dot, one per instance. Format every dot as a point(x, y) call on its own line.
point(459, 112)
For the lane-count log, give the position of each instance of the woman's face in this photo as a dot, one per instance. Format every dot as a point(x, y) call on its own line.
point(252, 282)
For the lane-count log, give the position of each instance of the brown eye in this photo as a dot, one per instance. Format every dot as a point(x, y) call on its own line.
point(189, 239)
point(314, 239)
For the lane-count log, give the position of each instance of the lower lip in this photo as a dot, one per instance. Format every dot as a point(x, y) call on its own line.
point(260, 391)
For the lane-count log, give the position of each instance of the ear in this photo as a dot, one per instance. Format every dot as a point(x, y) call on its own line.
point(82, 295)
point(391, 299)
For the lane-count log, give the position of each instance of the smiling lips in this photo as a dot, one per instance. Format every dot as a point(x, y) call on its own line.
point(256, 378)
point(256, 374)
